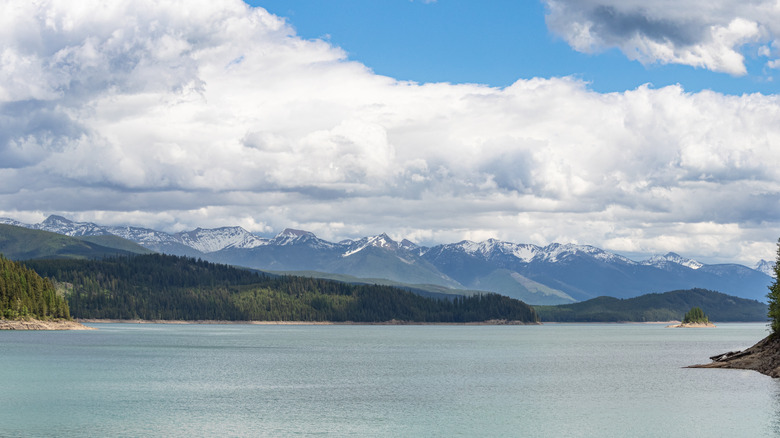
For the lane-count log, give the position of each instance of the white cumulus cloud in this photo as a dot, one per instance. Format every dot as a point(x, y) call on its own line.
point(699, 33)
point(199, 113)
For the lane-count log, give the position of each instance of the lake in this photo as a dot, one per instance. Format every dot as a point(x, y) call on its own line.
point(555, 380)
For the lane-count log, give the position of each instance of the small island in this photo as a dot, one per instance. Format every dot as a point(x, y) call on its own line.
point(694, 318)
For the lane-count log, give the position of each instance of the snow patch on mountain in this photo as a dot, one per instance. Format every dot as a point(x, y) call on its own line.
point(203, 240)
point(292, 236)
point(142, 236)
point(212, 240)
point(380, 241)
point(9, 221)
point(528, 253)
point(766, 267)
point(293, 233)
point(216, 239)
point(484, 249)
point(60, 225)
point(557, 252)
point(408, 245)
point(525, 252)
point(672, 259)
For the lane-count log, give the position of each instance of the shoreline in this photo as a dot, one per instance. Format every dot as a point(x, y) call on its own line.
point(672, 323)
point(37, 324)
point(78, 323)
point(610, 322)
point(762, 357)
point(692, 325)
point(225, 322)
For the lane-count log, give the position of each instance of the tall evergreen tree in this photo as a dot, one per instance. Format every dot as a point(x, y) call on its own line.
point(695, 315)
point(774, 296)
point(23, 294)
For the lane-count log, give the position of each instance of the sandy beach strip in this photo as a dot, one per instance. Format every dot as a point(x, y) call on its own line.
point(392, 322)
point(35, 324)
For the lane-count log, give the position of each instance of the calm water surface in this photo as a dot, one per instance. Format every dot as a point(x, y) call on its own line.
point(250, 380)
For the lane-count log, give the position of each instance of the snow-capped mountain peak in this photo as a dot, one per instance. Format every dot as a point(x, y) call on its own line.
point(526, 271)
point(496, 248)
point(526, 253)
point(672, 258)
point(60, 225)
point(291, 232)
point(380, 241)
point(408, 245)
point(212, 240)
point(383, 241)
point(481, 249)
point(291, 236)
point(142, 236)
point(766, 267)
point(556, 252)
point(9, 221)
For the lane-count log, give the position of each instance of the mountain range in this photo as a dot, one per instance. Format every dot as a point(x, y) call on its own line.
point(552, 274)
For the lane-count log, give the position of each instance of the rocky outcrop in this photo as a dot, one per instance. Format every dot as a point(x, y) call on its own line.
point(763, 357)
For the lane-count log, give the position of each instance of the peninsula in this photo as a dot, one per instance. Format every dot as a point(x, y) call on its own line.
point(763, 357)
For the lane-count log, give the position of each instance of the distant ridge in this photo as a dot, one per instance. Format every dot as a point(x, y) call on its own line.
point(668, 306)
point(19, 243)
point(552, 274)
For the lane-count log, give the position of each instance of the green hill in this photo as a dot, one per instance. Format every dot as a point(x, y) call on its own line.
point(426, 290)
point(666, 306)
point(514, 285)
point(167, 287)
point(116, 242)
point(24, 294)
point(18, 243)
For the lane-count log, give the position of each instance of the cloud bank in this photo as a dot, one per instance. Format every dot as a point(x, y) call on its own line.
point(198, 113)
point(700, 33)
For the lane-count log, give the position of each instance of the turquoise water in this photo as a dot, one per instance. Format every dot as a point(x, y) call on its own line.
point(249, 380)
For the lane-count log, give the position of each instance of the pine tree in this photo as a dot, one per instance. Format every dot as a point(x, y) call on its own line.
point(695, 315)
point(774, 297)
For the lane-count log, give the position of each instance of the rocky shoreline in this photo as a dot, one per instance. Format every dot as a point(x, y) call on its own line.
point(763, 357)
point(35, 324)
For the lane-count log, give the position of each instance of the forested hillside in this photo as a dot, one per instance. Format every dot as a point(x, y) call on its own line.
point(23, 294)
point(666, 306)
point(18, 243)
point(169, 287)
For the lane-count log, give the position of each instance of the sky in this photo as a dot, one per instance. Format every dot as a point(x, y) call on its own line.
point(637, 127)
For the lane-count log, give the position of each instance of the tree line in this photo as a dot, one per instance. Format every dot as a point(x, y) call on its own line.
point(166, 287)
point(774, 297)
point(665, 306)
point(25, 294)
point(694, 316)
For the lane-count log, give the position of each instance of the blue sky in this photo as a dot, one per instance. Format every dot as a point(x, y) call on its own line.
point(524, 121)
point(494, 43)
